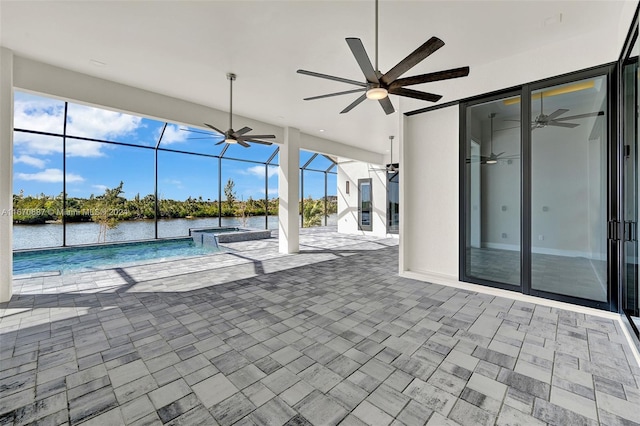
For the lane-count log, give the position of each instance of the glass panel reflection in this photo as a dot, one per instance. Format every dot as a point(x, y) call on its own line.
point(568, 189)
point(493, 191)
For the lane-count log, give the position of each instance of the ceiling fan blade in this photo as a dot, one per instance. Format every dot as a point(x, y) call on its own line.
point(386, 105)
point(258, 137)
point(357, 48)
point(353, 104)
point(557, 113)
point(346, 92)
point(401, 91)
point(243, 143)
point(330, 77)
point(221, 142)
point(591, 114)
point(415, 57)
point(214, 128)
point(258, 141)
point(557, 124)
point(433, 76)
point(498, 155)
point(242, 131)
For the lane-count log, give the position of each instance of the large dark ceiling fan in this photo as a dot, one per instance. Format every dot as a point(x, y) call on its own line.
point(231, 136)
point(378, 86)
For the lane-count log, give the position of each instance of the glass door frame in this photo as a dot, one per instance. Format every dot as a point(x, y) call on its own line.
point(464, 187)
point(524, 91)
point(620, 267)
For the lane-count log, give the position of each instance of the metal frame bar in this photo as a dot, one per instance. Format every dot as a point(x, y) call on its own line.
point(64, 176)
point(156, 202)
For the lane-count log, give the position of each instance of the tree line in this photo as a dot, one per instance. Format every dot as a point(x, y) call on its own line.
point(111, 207)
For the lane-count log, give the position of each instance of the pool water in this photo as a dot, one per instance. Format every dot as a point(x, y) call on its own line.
point(104, 256)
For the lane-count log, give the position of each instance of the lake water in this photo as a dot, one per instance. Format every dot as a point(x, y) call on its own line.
point(50, 235)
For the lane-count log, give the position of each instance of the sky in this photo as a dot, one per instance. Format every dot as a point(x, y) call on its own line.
point(92, 166)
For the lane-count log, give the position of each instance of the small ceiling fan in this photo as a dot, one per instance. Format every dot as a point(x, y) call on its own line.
point(231, 136)
point(542, 120)
point(493, 157)
point(378, 86)
point(553, 119)
point(391, 167)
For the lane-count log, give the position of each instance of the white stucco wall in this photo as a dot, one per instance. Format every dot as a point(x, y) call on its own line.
point(429, 182)
point(351, 171)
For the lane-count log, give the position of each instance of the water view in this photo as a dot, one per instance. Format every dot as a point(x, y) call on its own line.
point(50, 234)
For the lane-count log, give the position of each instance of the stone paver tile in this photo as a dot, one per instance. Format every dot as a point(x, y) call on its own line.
point(258, 394)
point(178, 408)
point(214, 390)
point(414, 414)
point(232, 409)
point(320, 409)
point(280, 380)
point(470, 415)
point(246, 376)
point(133, 390)
point(533, 371)
point(348, 394)
point(524, 383)
point(556, 415)
point(297, 392)
point(372, 415)
point(196, 416)
point(438, 419)
point(389, 400)
point(127, 373)
point(487, 386)
point(511, 417)
point(320, 377)
point(573, 402)
point(431, 397)
point(136, 409)
point(92, 404)
point(111, 417)
point(274, 412)
point(286, 355)
point(620, 407)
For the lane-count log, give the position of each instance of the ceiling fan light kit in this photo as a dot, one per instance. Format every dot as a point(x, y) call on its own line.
point(377, 93)
point(379, 86)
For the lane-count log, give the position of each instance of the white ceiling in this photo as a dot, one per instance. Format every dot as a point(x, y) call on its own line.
point(184, 49)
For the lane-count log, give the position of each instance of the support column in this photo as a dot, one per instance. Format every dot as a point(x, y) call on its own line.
point(6, 173)
point(288, 191)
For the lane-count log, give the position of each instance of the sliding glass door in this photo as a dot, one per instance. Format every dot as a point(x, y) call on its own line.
point(568, 188)
point(534, 189)
point(630, 299)
point(492, 163)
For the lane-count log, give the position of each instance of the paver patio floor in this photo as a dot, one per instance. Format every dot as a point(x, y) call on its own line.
point(329, 336)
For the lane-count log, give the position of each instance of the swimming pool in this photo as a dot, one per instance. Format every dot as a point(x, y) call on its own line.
point(104, 256)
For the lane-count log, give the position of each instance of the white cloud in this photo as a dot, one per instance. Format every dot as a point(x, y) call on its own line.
point(47, 115)
point(30, 161)
point(100, 187)
point(259, 171)
point(172, 134)
point(49, 176)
